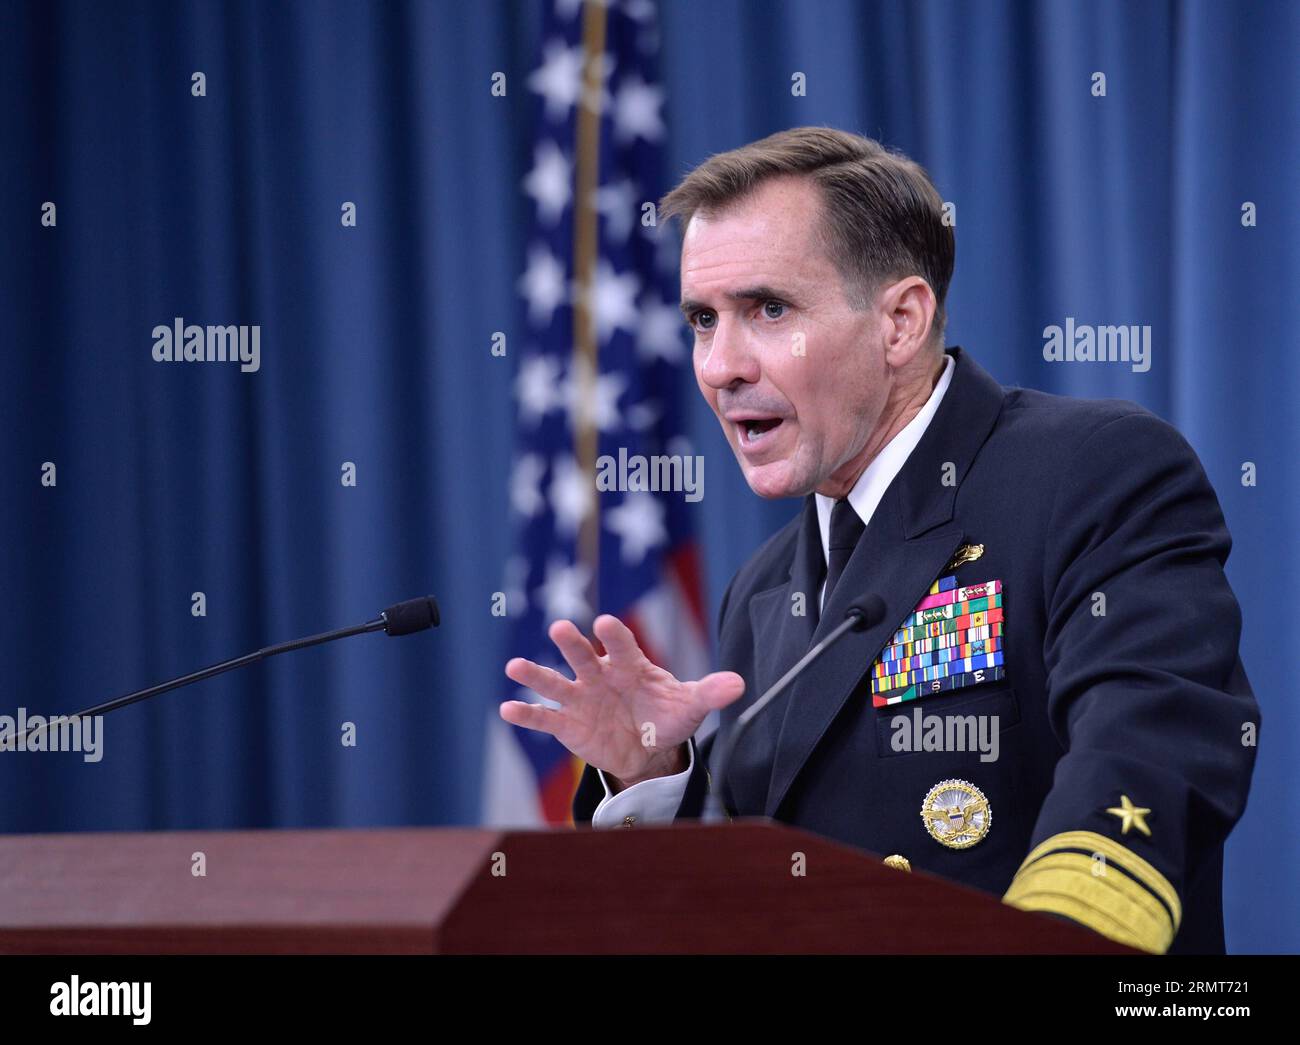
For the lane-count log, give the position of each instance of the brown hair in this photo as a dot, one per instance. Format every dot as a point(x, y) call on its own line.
point(882, 216)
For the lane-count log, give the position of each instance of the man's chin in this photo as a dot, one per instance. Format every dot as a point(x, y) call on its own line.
point(772, 481)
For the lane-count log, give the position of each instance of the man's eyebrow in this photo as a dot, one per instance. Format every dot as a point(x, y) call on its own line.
point(759, 293)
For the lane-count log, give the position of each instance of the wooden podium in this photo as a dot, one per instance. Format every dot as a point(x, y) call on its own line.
point(686, 888)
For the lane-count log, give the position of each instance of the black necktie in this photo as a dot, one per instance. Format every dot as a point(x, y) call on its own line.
point(846, 528)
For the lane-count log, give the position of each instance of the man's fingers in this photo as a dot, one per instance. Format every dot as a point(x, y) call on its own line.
point(532, 716)
point(719, 689)
point(546, 682)
point(575, 649)
point(617, 638)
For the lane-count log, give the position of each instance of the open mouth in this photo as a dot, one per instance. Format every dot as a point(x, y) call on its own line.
point(757, 430)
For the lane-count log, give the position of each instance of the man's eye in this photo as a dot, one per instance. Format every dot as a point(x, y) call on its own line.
point(704, 320)
point(774, 309)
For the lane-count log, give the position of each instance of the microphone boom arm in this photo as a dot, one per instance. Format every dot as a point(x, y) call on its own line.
point(401, 619)
point(857, 618)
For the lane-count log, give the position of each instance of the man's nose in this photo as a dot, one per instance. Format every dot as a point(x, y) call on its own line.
point(730, 358)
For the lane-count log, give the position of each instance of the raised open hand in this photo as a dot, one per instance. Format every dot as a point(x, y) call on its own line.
point(621, 713)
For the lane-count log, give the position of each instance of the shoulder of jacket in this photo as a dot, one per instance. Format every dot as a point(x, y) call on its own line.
point(1067, 422)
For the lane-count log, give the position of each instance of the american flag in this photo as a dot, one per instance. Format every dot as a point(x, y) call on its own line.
point(599, 371)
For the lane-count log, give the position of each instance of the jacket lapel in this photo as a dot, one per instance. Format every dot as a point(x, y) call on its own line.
point(783, 636)
point(786, 634)
point(910, 538)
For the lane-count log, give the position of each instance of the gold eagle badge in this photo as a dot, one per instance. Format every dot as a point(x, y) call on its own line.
point(956, 814)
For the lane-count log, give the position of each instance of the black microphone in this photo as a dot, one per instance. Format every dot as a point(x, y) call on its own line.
point(405, 618)
point(863, 614)
point(411, 616)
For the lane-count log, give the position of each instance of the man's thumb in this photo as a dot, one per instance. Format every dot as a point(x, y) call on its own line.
point(719, 689)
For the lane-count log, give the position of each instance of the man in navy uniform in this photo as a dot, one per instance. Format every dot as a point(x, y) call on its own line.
point(1053, 708)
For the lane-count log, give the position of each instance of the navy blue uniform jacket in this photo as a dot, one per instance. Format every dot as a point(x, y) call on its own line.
point(1081, 506)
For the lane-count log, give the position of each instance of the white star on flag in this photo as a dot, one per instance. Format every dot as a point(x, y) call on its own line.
point(659, 334)
point(543, 284)
point(526, 485)
point(572, 495)
point(643, 416)
point(593, 400)
point(564, 592)
point(549, 182)
point(558, 79)
point(617, 203)
point(613, 302)
point(636, 111)
point(537, 388)
point(639, 524)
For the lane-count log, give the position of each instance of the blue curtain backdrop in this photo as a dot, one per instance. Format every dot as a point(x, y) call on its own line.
point(375, 349)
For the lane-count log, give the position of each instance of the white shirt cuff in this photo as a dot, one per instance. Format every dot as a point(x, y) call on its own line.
point(653, 801)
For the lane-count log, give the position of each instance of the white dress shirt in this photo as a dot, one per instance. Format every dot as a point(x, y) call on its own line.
point(656, 801)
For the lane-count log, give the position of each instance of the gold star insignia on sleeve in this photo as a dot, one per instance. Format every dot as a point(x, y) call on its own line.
point(1130, 815)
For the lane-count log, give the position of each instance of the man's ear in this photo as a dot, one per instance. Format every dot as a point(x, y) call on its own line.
point(908, 309)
